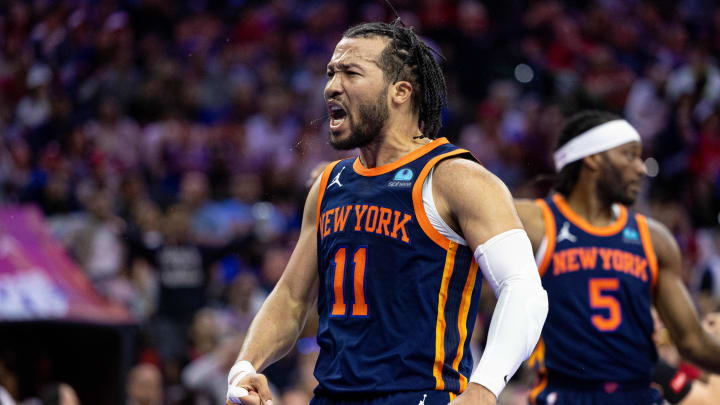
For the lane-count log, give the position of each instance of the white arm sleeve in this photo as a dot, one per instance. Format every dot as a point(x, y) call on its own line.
point(507, 262)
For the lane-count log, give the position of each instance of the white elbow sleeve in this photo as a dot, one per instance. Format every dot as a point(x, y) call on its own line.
point(508, 265)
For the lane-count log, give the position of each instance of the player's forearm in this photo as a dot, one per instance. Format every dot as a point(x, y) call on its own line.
point(519, 306)
point(703, 350)
point(507, 263)
point(274, 330)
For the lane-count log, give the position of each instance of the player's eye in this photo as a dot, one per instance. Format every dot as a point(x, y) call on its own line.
point(330, 73)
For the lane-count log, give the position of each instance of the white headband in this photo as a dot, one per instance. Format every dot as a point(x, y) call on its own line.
point(595, 140)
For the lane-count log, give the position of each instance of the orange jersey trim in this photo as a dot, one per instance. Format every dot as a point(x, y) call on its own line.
point(537, 361)
point(422, 218)
point(323, 185)
point(537, 358)
point(581, 223)
point(648, 247)
point(538, 389)
point(462, 320)
point(376, 171)
point(550, 235)
point(440, 325)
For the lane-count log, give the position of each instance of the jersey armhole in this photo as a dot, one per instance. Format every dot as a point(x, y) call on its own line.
point(648, 248)
point(321, 191)
point(434, 216)
point(549, 239)
point(417, 199)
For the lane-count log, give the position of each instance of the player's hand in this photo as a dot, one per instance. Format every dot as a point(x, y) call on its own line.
point(250, 390)
point(247, 387)
point(475, 394)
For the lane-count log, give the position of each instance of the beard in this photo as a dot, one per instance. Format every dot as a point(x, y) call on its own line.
point(371, 119)
point(611, 188)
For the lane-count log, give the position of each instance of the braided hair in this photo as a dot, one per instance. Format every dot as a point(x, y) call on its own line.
point(407, 58)
point(574, 126)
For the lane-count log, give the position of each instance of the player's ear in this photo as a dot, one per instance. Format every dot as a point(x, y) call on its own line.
point(400, 92)
point(592, 161)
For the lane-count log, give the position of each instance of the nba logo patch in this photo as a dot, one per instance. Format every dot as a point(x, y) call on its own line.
point(631, 235)
point(404, 175)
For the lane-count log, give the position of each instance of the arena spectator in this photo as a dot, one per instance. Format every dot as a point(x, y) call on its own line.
point(97, 244)
point(144, 385)
point(58, 394)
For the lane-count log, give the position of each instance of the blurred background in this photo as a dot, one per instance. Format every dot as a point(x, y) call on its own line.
point(155, 154)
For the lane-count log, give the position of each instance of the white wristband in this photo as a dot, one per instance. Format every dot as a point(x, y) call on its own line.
point(239, 370)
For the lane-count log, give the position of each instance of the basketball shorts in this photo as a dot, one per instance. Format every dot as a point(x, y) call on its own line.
point(395, 398)
point(565, 392)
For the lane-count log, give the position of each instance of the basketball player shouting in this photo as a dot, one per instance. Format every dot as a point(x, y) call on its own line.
point(390, 248)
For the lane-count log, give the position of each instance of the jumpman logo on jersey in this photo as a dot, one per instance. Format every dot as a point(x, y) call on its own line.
point(565, 234)
point(336, 180)
point(422, 402)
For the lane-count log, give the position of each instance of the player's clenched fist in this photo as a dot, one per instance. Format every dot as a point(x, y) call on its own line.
point(475, 394)
point(246, 386)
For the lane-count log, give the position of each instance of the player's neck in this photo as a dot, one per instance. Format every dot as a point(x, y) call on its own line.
point(585, 202)
point(392, 144)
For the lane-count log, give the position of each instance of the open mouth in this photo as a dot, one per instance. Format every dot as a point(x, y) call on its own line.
point(337, 115)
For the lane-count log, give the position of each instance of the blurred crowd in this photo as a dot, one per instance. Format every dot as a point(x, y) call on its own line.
point(169, 143)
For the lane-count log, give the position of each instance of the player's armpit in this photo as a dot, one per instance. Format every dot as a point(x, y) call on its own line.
point(473, 201)
point(675, 306)
point(531, 216)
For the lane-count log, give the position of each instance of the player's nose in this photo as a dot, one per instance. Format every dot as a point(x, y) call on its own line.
point(641, 168)
point(333, 87)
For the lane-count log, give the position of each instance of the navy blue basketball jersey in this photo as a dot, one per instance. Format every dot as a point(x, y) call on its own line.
point(397, 300)
point(599, 283)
